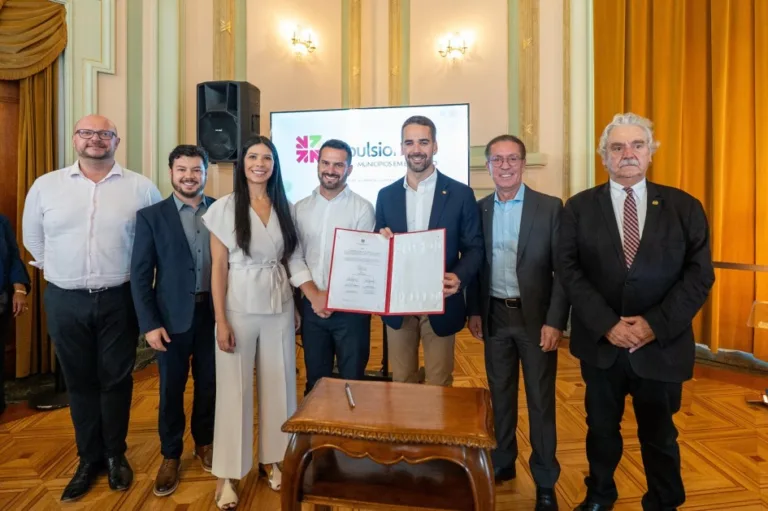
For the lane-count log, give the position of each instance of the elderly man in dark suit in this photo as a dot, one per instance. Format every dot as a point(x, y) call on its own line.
point(518, 308)
point(171, 279)
point(635, 263)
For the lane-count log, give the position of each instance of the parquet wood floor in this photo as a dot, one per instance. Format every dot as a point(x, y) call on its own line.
point(724, 444)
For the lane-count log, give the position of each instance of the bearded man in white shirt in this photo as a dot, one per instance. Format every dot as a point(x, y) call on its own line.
point(78, 224)
point(343, 335)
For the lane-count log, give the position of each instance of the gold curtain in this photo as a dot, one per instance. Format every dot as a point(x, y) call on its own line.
point(699, 70)
point(33, 33)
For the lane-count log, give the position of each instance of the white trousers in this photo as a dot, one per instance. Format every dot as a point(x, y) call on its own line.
point(268, 340)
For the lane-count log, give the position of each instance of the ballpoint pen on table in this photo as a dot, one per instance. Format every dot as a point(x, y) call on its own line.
point(349, 395)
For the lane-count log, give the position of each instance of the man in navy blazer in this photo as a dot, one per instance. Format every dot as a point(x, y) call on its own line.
point(170, 282)
point(426, 199)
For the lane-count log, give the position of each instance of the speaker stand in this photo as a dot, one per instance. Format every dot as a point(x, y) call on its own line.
point(55, 399)
point(383, 374)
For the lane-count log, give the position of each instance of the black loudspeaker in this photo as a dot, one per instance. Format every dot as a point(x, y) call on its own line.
point(227, 116)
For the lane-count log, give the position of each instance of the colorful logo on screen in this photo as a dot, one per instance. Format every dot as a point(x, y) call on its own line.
point(308, 148)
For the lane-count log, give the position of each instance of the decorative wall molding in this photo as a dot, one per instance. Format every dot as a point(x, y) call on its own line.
point(351, 53)
point(241, 40)
point(182, 72)
point(168, 86)
point(399, 51)
point(81, 84)
point(106, 64)
point(528, 66)
point(135, 85)
point(566, 177)
point(223, 40)
point(580, 115)
point(513, 68)
point(150, 29)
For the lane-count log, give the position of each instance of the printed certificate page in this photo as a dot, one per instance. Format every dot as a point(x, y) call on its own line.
point(418, 268)
point(359, 271)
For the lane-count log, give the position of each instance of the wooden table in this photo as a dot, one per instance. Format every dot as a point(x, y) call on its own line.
point(402, 445)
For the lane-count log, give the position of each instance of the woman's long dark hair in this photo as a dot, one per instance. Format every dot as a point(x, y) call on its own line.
point(276, 194)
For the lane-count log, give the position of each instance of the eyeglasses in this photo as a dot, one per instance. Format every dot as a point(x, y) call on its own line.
point(103, 134)
point(498, 161)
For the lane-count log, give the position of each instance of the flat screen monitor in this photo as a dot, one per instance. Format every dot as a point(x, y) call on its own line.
point(374, 136)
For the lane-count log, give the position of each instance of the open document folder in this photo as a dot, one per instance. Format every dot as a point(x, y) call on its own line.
point(402, 275)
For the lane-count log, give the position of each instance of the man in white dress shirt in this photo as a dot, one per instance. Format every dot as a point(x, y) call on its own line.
point(78, 224)
point(333, 204)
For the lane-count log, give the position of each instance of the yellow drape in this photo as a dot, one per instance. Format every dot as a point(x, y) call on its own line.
point(33, 34)
point(699, 70)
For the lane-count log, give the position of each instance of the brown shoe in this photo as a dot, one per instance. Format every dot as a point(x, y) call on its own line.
point(167, 479)
point(205, 453)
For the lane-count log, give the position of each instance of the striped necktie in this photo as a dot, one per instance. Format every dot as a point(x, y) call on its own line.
point(631, 227)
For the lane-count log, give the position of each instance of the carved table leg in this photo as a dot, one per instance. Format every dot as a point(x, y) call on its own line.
point(294, 464)
point(477, 463)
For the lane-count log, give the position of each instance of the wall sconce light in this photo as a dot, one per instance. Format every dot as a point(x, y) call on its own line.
point(454, 48)
point(302, 45)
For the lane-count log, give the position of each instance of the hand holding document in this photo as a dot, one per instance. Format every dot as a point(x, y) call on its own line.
point(401, 275)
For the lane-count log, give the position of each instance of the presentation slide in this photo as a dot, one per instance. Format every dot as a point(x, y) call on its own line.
point(374, 135)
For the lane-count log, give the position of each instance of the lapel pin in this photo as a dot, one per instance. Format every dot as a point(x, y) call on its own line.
point(445, 193)
point(655, 203)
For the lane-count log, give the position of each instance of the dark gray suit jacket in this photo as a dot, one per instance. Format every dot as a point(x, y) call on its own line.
point(542, 297)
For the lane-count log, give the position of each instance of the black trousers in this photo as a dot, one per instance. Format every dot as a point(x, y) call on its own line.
point(95, 336)
point(507, 347)
point(344, 335)
point(199, 343)
point(655, 403)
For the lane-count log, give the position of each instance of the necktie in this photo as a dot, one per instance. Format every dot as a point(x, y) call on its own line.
point(631, 227)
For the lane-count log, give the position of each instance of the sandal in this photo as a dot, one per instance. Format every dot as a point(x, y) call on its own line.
point(274, 475)
point(227, 499)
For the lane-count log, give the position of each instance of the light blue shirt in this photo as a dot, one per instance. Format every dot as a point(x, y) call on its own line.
point(506, 233)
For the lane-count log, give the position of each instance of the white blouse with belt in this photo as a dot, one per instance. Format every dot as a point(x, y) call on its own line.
point(258, 283)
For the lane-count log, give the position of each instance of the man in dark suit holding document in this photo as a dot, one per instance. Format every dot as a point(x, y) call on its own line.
point(426, 199)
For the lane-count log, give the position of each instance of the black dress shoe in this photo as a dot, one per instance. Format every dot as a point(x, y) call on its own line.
point(85, 475)
point(588, 505)
point(546, 500)
point(119, 473)
point(504, 474)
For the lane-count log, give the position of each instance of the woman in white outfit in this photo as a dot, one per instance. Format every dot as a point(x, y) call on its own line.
point(253, 239)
